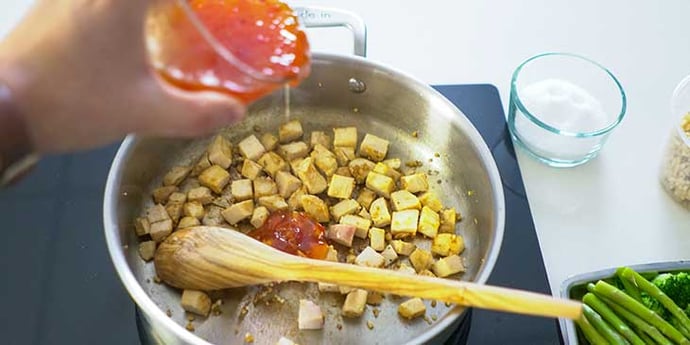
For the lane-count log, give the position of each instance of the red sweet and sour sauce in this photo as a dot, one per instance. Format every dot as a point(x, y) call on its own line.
point(294, 233)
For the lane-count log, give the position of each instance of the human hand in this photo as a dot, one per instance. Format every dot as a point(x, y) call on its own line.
point(79, 73)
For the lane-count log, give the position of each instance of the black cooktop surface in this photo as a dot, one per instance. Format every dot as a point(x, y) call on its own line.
point(59, 286)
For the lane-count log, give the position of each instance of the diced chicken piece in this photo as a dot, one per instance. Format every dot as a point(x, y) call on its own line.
point(289, 131)
point(325, 160)
point(347, 206)
point(194, 209)
point(415, 183)
point(273, 203)
point(429, 222)
point(421, 259)
point(238, 212)
point(384, 169)
point(285, 341)
point(251, 148)
point(147, 249)
point(318, 137)
point(360, 223)
point(157, 213)
point(377, 239)
point(295, 200)
point(179, 198)
point(355, 302)
point(447, 244)
point(403, 200)
point(161, 194)
point(264, 186)
point(202, 164)
point(315, 207)
point(431, 200)
point(327, 287)
point(343, 171)
point(374, 298)
point(161, 230)
point(381, 184)
point(293, 151)
point(241, 190)
point(427, 273)
point(188, 222)
point(341, 234)
point(402, 247)
point(341, 187)
point(310, 315)
point(393, 163)
point(220, 152)
point(360, 168)
point(345, 136)
point(196, 302)
point(331, 254)
point(251, 169)
point(142, 227)
point(200, 194)
point(174, 211)
point(369, 258)
point(287, 183)
point(176, 175)
point(364, 214)
point(259, 216)
point(366, 197)
point(344, 154)
point(310, 177)
point(412, 308)
point(215, 178)
point(448, 220)
point(404, 223)
point(273, 163)
point(373, 147)
point(389, 255)
point(406, 269)
point(269, 141)
point(448, 266)
point(344, 290)
point(380, 216)
point(213, 216)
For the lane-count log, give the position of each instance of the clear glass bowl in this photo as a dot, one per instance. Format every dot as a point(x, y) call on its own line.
point(675, 163)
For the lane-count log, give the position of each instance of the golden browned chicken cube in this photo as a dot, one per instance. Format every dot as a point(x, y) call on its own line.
point(220, 152)
point(319, 137)
point(269, 141)
point(178, 198)
point(250, 169)
point(355, 302)
point(381, 184)
point(431, 200)
point(341, 187)
point(264, 186)
point(345, 136)
point(380, 215)
point(202, 164)
point(196, 302)
point(448, 220)
point(188, 222)
point(200, 194)
point(412, 308)
point(403, 200)
point(366, 197)
point(287, 183)
point(289, 131)
point(341, 234)
point(415, 183)
point(404, 223)
point(142, 227)
point(315, 207)
point(389, 255)
point(344, 154)
point(176, 175)
point(309, 315)
point(238, 212)
point(384, 169)
point(295, 150)
point(360, 223)
point(393, 163)
point(421, 259)
point(147, 250)
point(347, 206)
point(251, 148)
point(295, 200)
point(429, 222)
point(157, 213)
point(364, 214)
point(360, 168)
point(373, 147)
point(311, 178)
point(273, 203)
point(374, 298)
point(259, 216)
point(241, 189)
point(174, 210)
point(215, 178)
point(324, 160)
point(160, 230)
point(343, 171)
point(369, 258)
point(447, 244)
point(448, 266)
point(272, 163)
point(194, 209)
point(402, 247)
point(377, 239)
point(161, 194)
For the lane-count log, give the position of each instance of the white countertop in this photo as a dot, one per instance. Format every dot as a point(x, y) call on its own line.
point(606, 213)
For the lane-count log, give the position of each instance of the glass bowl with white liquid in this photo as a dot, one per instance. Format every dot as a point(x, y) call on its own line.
point(563, 107)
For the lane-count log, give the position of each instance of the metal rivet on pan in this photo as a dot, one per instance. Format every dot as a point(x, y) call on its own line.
point(357, 86)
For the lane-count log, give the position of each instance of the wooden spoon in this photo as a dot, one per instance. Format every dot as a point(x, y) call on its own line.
point(213, 258)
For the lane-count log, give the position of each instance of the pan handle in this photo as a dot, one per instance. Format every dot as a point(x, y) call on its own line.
point(324, 17)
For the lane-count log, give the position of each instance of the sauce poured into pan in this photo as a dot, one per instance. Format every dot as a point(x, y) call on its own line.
point(294, 233)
